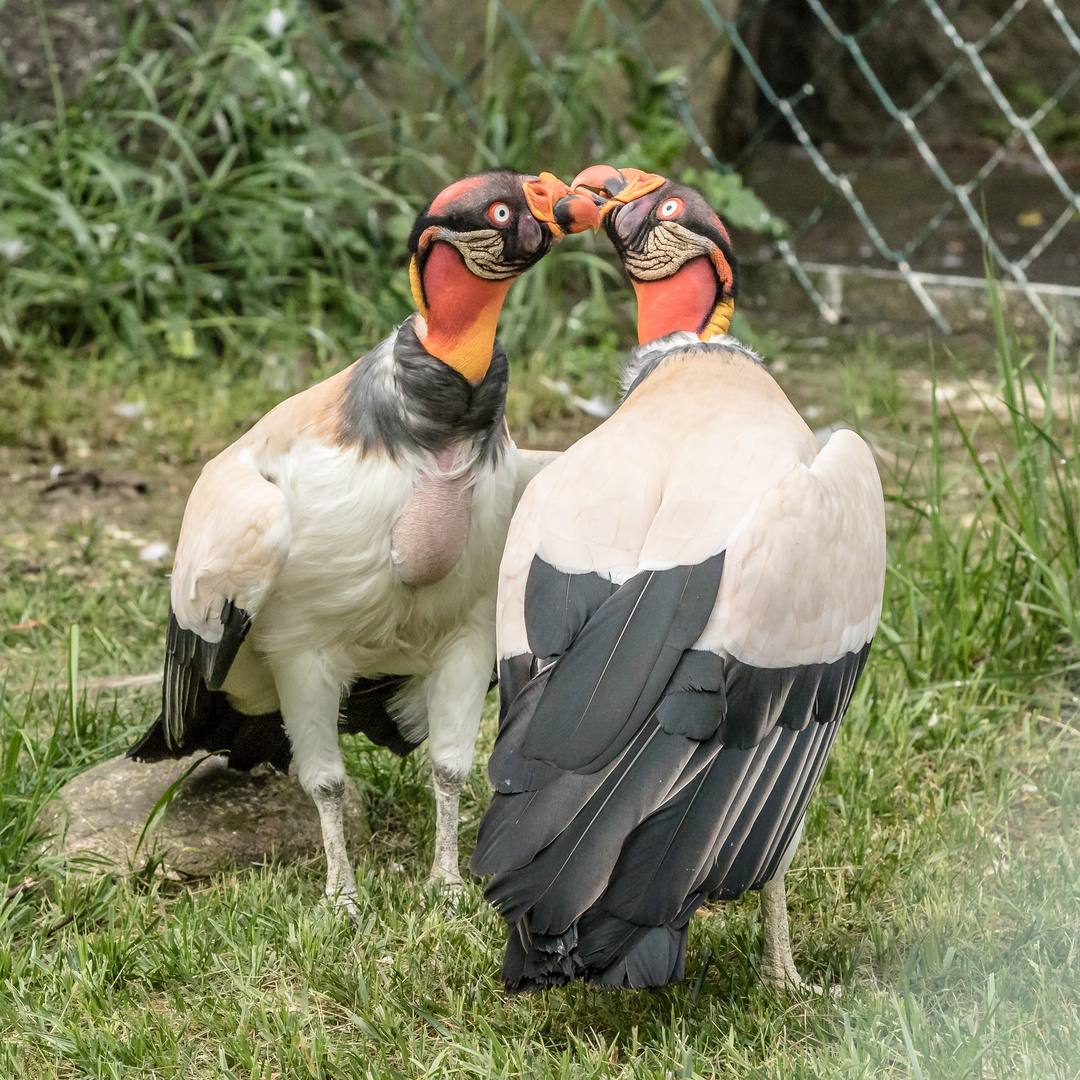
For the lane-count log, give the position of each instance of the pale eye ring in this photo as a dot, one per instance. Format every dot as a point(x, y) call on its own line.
point(671, 208)
point(499, 213)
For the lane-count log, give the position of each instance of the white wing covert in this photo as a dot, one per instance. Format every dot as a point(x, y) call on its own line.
point(233, 543)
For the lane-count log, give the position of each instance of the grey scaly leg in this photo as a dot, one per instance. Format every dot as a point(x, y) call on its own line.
point(444, 870)
point(310, 694)
point(455, 699)
point(777, 965)
point(340, 883)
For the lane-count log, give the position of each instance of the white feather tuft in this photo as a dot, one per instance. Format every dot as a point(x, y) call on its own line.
point(647, 357)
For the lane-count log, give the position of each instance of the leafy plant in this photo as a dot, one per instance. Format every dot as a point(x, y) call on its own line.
point(1058, 129)
point(995, 590)
point(735, 202)
point(192, 201)
point(202, 197)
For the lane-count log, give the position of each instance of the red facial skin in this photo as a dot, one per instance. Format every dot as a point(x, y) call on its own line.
point(463, 311)
point(700, 291)
point(684, 301)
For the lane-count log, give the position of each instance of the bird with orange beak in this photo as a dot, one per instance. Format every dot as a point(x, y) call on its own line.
point(686, 601)
point(337, 565)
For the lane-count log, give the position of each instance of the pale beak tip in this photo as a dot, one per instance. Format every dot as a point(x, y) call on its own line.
point(577, 212)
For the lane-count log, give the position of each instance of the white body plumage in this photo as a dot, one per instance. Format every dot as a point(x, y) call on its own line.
point(339, 599)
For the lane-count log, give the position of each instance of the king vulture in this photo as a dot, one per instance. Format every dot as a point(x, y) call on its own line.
point(686, 601)
point(337, 565)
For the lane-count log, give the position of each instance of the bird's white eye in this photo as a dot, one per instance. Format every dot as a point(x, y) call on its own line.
point(671, 208)
point(499, 213)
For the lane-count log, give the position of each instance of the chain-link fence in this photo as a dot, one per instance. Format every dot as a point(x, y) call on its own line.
point(896, 138)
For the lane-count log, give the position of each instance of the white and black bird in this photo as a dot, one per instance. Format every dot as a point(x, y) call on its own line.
point(686, 601)
point(337, 565)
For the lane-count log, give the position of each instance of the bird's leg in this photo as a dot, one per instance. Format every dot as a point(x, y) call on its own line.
point(340, 883)
point(310, 696)
point(777, 965)
point(444, 869)
point(455, 699)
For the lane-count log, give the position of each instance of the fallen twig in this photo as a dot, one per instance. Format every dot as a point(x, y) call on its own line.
point(105, 683)
point(120, 682)
point(60, 925)
point(13, 892)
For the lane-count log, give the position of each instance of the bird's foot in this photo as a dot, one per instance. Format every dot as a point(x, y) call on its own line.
point(446, 883)
point(340, 881)
point(445, 875)
point(445, 879)
point(777, 965)
point(343, 900)
point(784, 976)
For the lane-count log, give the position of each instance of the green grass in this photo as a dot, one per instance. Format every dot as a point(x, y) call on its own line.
point(158, 252)
point(936, 895)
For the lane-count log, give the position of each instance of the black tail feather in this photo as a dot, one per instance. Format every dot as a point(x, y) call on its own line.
point(367, 711)
point(213, 725)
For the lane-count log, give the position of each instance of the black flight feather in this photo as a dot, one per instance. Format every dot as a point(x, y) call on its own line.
point(766, 813)
point(367, 710)
point(669, 607)
point(599, 868)
point(190, 659)
point(665, 857)
point(197, 715)
point(514, 673)
point(654, 956)
point(558, 605)
point(215, 726)
point(603, 688)
point(572, 871)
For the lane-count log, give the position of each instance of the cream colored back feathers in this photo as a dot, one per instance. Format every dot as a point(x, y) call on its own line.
point(708, 455)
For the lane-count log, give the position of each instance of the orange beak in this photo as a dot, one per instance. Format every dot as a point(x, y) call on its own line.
point(619, 185)
point(562, 210)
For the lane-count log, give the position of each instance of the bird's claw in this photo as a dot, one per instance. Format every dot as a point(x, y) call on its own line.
point(445, 880)
point(448, 885)
point(787, 978)
point(342, 900)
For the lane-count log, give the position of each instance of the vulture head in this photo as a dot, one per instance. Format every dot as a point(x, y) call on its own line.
point(471, 242)
point(675, 249)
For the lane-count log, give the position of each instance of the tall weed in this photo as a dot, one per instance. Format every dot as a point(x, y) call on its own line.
point(989, 588)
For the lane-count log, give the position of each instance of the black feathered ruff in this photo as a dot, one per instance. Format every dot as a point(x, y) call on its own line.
point(401, 399)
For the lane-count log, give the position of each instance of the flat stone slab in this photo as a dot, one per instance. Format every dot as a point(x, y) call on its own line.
point(219, 818)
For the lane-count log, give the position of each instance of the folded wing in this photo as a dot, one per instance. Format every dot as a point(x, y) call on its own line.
point(663, 726)
point(233, 544)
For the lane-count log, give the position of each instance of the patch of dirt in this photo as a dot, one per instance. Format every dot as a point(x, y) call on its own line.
point(143, 507)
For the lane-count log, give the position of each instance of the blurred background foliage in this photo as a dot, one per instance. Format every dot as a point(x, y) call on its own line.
point(214, 192)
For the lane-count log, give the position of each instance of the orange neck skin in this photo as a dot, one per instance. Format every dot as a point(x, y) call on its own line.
point(462, 312)
point(684, 301)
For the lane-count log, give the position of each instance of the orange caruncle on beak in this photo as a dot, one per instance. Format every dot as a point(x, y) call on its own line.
point(562, 210)
point(620, 185)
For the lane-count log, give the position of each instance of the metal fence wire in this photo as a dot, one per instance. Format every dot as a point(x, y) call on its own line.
point(896, 138)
